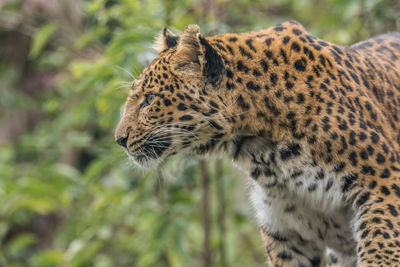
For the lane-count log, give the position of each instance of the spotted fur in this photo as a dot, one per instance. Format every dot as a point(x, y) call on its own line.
point(314, 125)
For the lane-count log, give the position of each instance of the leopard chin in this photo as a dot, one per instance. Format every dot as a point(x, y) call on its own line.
point(144, 161)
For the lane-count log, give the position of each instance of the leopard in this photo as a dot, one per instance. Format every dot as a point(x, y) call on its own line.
point(313, 125)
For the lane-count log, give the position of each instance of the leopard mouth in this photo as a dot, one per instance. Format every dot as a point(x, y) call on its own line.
point(156, 149)
point(152, 152)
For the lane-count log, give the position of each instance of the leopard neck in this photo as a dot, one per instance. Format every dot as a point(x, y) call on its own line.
point(271, 84)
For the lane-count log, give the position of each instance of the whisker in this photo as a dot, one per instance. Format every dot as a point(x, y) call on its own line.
point(126, 71)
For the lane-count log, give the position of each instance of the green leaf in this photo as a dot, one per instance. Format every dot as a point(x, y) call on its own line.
point(20, 243)
point(41, 38)
point(48, 258)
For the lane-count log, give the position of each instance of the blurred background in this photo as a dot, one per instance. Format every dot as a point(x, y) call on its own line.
point(68, 194)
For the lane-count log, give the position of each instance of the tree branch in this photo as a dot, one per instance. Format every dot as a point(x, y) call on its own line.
point(205, 184)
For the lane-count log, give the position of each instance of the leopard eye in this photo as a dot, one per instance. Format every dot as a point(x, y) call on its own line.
point(149, 98)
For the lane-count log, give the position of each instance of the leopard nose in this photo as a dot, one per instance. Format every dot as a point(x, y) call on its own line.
point(121, 140)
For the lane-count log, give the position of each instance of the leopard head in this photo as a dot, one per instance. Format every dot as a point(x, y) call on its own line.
point(178, 103)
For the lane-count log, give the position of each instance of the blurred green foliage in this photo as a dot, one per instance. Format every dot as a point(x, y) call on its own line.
point(68, 195)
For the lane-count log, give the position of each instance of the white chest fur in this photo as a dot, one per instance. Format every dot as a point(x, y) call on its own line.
point(293, 195)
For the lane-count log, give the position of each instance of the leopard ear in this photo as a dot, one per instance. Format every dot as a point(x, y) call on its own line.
point(166, 39)
point(196, 57)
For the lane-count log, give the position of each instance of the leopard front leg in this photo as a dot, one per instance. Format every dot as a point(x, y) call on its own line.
point(378, 225)
point(291, 251)
point(288, 239)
